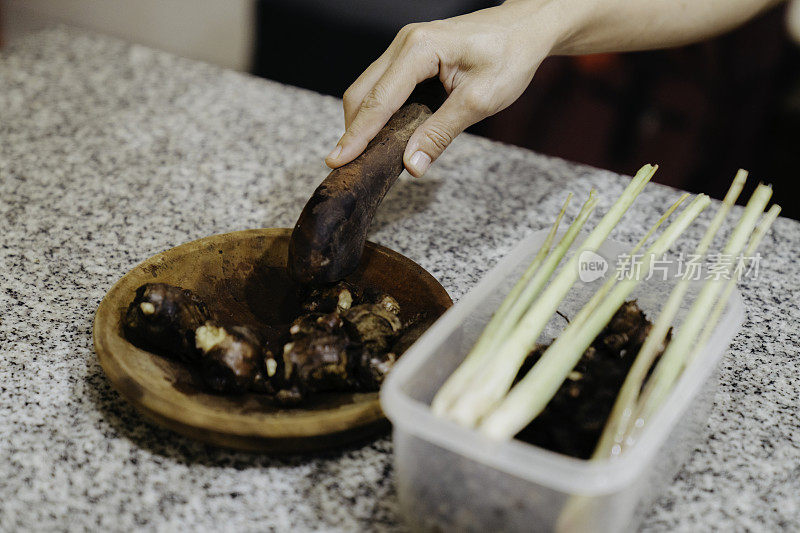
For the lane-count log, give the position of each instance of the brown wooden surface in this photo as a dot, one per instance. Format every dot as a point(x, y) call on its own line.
point(242, 275)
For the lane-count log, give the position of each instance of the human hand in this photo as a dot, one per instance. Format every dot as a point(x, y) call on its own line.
point(487, 58)
point(484, 60)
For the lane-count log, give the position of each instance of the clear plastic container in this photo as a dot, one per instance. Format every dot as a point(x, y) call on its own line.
point(452, 478)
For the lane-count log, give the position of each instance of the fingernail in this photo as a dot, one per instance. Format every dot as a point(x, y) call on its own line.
point(420, 162)
point(334, 155)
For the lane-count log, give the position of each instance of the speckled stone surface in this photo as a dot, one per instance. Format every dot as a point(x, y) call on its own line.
point(110, 153)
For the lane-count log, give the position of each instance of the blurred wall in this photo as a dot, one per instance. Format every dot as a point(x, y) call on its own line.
point(208, 30)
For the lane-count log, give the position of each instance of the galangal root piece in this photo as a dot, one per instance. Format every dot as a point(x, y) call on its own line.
point(345, 349)
point(164, 318)
point(372, 326)
point(326, 299)
point(574, 419)
point(232, 358)
point(316, 363)
point(174, 321)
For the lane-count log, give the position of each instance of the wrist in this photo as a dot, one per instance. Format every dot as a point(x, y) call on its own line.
point(559, 23)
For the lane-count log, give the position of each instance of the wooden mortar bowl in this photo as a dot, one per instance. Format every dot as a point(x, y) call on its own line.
point(242, 276)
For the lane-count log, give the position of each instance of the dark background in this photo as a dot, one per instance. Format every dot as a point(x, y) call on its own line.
point(700, 111)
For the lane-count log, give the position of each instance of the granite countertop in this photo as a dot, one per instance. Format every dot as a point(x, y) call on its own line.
point(111, 152)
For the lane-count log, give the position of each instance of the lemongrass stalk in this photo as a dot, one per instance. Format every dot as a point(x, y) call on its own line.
point(481, 354)
point(620, 417)
point(530, 396)
point(532, 268)
point(495, 380)
point(578, 511)
point(591, 306)
point(518, 307)
point(680, 346)
point(727, 203)
point(755, 240)
point(664, 217)
point(598, 296)
point(453, 384)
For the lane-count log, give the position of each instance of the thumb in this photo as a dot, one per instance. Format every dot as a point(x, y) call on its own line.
point(462, 109)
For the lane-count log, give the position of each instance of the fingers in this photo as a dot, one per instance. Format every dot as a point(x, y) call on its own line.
point(385, 97)
point(412, 64)
point(354, 95)
point(464, 107)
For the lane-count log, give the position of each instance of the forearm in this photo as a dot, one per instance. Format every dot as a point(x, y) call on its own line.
point(595, 26)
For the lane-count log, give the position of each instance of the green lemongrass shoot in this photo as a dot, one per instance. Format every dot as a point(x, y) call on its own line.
point(481, 354)
point(518, 305)
point(457, 380)
point(755, 240)
point(654, 228)
point(598, 296)
point(620, 417)
point(530, 396)
point(678, 350)
point(495, 380)
point(578, 511)
point(533, 267)
point(722, 213)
